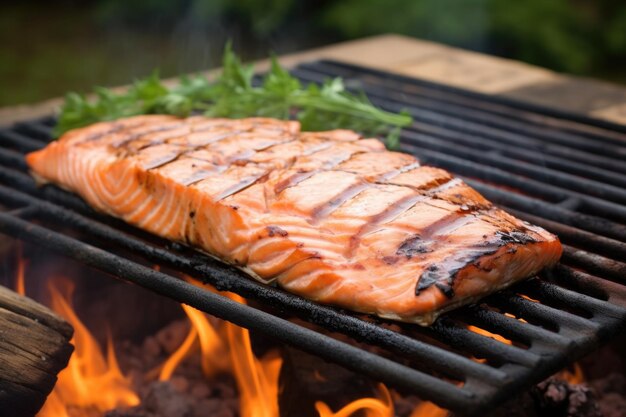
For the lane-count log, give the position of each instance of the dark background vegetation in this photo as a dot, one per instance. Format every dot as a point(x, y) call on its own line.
point(49, 47)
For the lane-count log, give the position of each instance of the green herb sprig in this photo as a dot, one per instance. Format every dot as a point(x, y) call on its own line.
point(233, 95)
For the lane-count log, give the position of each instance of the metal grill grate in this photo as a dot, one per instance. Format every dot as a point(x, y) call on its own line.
point(563, 172)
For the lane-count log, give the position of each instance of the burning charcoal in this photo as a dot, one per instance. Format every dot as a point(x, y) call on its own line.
point(224, 389)
point(306, 379)
point(523, 405)
point(559, 398)
point(180, 383)
point(132, 412)
point(613, 405)
point(171, 337)
point(164, 400)
point(612, 382)
point(151, 347)
point(214, 407)
point(611, 393)
point(200, 390)
point(404, 406)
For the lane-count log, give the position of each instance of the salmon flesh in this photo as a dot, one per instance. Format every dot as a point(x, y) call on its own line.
point(329, 216)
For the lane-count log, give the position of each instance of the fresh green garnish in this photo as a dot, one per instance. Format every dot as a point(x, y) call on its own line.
point(233, 95)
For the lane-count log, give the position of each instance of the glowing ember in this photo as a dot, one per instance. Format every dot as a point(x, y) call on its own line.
point(484, 332)
point(372, 407)
point(575, 376)
point(517, 318)
point(90, 380)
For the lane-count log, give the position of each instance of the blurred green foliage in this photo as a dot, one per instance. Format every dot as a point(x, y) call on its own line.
point(582, 37)
point(47, 48)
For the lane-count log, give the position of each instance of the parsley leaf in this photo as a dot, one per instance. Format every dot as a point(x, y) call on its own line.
point(234, 95)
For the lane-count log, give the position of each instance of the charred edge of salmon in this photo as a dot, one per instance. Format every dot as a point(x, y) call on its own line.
point(429, 318)
point(443, 274)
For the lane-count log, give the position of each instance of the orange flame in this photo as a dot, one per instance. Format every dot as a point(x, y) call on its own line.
point(210, 342)
point(575, 376)
point(53, 407)
point(177, 357)
point(428, 409)
point(257, 380)
point(372, 407)
point(90, 380)
point(20, 288)
point(484, 332)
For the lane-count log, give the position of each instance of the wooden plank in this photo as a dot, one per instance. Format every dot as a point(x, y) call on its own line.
point(446, 65)
point(34, 348)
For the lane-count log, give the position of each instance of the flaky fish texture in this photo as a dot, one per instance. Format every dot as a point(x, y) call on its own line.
point(328, 215)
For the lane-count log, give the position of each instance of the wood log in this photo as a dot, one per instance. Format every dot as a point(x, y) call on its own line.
point(34, 348)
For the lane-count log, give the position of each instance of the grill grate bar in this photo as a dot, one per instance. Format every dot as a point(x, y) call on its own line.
point(554, 212)
point(457, 335)
point(595, 188)
point(513, 111)
point(35, 130)
point(533, 187)
point(548, 291)
point(607, 267)
point(426, 121)
point(538, 154)
point(21, 142)
point(512, 328)
point(575, 236)
point(585, 283)
point(539, 312)
point(12, 158)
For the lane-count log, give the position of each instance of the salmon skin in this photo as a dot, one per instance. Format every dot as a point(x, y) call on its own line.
point(329, 216)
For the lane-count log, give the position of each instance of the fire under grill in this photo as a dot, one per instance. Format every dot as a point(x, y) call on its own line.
point(561, 171)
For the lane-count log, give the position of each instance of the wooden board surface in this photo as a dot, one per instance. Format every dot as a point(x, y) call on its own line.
point(446, 65)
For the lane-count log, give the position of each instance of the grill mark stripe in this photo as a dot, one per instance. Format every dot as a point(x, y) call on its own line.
point(392, 174)
point(292, 138)
point(316, 149)
point(116, 128)
point(432, 186)
point(243, 185)
point(201, 175)
point(385, 216)
point(161, 162)
point(325, 209)
point(192, 131)
point(135, 136)
point(296, 179)
point(446, 221)
point(398, 208)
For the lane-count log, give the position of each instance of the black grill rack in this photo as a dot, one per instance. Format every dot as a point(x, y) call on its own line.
point(561, 171)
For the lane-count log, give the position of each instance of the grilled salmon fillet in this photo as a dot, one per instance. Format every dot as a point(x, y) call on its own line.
point(328, 215)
